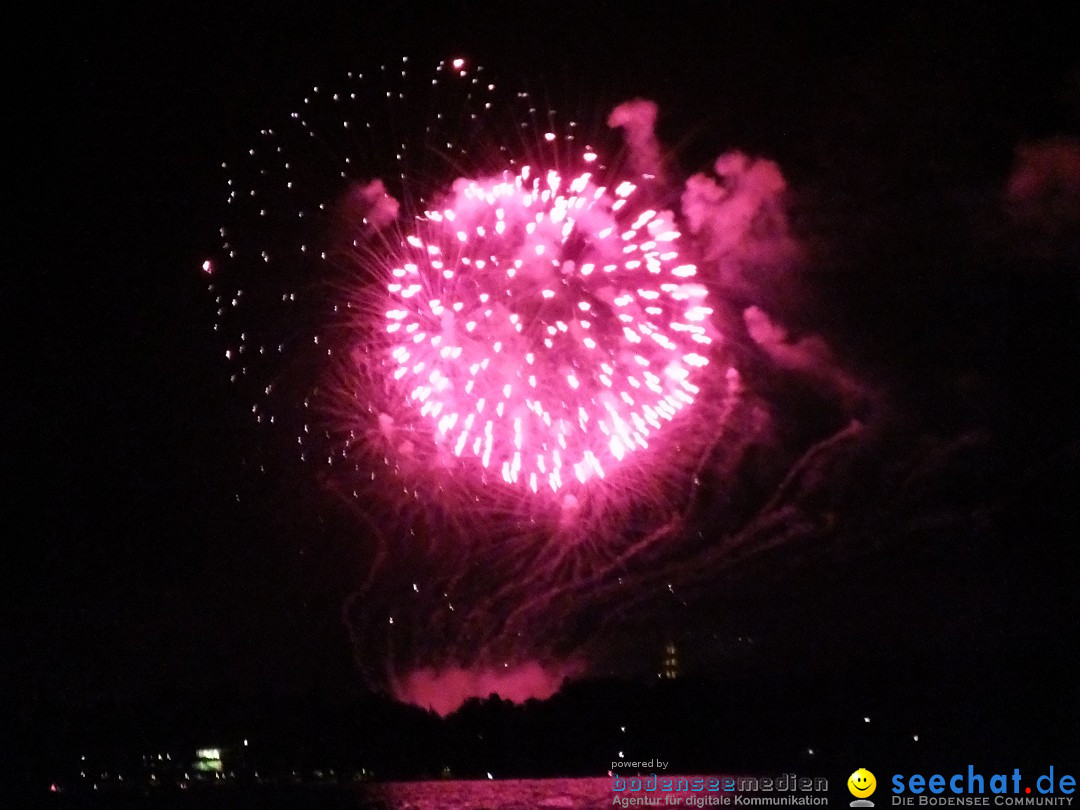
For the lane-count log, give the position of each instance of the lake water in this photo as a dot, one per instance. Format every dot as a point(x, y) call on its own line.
point(509, 794)
point(514, 794)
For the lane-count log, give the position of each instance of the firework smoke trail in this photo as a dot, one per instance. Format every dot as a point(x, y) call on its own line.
point(527, 356)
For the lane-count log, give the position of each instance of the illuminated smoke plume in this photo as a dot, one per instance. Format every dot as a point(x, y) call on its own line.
point(637, 120)
point(504, 339)
point(1042, 197)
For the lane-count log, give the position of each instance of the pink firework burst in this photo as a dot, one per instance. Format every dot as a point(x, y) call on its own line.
point(491, 331)
point(546, 327)
point(493, 334)
point(504, 313)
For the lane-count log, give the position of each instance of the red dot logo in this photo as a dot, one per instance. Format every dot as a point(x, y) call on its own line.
point(1027, 790)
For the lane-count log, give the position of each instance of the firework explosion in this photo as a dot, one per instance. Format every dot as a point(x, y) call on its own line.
point(535, 312)
point(510, 342)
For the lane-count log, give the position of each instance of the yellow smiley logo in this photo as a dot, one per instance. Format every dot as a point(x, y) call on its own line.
point(861, 783)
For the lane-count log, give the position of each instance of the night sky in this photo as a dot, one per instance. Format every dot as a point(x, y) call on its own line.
point(143, 554)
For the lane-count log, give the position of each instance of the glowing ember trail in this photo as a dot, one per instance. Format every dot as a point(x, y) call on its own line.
point(546, 327)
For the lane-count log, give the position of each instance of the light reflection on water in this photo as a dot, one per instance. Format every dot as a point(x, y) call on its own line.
point(517, 794)
point(511, 794)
